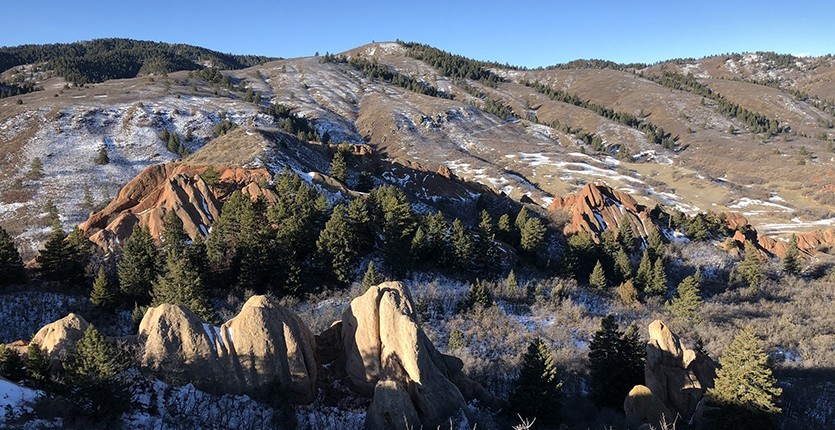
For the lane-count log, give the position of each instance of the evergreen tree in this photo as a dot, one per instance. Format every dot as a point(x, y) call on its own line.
point(337, 243)
point(371, 277)
point(623, 268)
point(93, 372)
point(11, 265)
point(532, 235)
point(750, 268)
point(626, 237)
point(63, 258)
point(503, 228)
point(173, 237)
point(391, 211)
point(687, 302)
point(463, 247)
point(101, 156)
point(643, 276)
point(88, 204)
point(35, 169)
point(658, 281)
point(597, 279)
point(37, 364)
point(102, 294)
point(615, 363)
point(477, 294)
point(521, 220)
point(486, 251)
point(181, 284)
point(138, 267)
point(537, 392)
point(210, 176)
point(510, 281)
point(11, 365)
point(791, 262)
point(745, 390)
point(655, 244)
point(52, 214)
point(578, 258)
point(339, 167)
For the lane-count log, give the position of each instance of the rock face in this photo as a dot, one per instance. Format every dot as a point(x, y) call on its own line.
point(676, 376)
point(265, 348)
point(58, 339)
point(382, 343)
point(598, 207)
point(391, 408)
point(171, 187)
point(642, 406)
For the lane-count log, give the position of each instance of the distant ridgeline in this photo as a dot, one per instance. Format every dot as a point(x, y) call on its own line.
point(102, 59)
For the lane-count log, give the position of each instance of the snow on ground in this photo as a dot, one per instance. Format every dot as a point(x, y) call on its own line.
point(746, 202)
point(795, 225)
point(13, 399)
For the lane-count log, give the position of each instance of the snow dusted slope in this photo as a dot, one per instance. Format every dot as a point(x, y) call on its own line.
point(13, 399)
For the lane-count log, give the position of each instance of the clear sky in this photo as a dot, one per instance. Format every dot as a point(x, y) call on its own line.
point(528, 33)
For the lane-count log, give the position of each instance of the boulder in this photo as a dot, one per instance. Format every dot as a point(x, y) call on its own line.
point(264, 349)
point(382, 341)
point(642, 406)
point(678, 377)
point(58, 339)
point(391, 408)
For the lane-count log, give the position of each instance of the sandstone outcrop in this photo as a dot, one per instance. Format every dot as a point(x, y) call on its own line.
point(642, 406)
point(265, 348)
point(391, 408)
point(598, 207)
point(382, 341)
point(58, 339)
point(174, 187)
point(808, 243)
point(676, 376)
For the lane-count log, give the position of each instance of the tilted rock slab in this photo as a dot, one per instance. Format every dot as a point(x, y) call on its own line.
point(382, 341)
point(58, 339)
point(264, 350)
point(675, 375)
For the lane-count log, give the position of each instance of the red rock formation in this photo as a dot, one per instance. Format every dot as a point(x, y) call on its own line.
point(174, 187)
point(597, 207)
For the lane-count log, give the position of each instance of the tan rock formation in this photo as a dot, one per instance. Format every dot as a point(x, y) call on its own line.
point(263, 349)
point(58, 339)
point(642, 406)
point(382, 341)
point(598, 207)
point(677, 376)
point(171, 187)
point(391, 408)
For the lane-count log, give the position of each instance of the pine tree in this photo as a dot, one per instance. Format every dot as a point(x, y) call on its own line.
point(623, 268)
point(11, 365)
point(597, 280)
point(503, 228)
point(687, 302)
point(521, 220)
point(35, 169)
point(643, 276)
point(658, 281)
point(339, 168)
point(655, 244)
point(371, 277)
point(626, 237)
point(537, 392)
point(11, 265)
point(93, 372)
point(37, 364)
point(477, 295)
point(181, 284)
point(210, 176)
point(532, 235)
point(337, 243)
point(61, 260)
point(615, 363)
point(486, 251)
point(102, 294)
point(510, 281)
point(173, 237)
point(791, 262)
point(87, 203)
point(101, 156)
point(138, 267)
point(745, 390)
point(462, 245)
point(582, 252)
point(750, 268)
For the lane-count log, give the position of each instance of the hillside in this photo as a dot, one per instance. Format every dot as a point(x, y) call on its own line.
point(229, 226)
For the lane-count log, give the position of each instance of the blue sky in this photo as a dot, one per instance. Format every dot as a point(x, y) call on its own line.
point(529, 33)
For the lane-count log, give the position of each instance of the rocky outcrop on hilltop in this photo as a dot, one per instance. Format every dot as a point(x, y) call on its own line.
point(676, 378)
point(265, 348)
point(174, 187)
point(598, 207)
point(809, 243)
